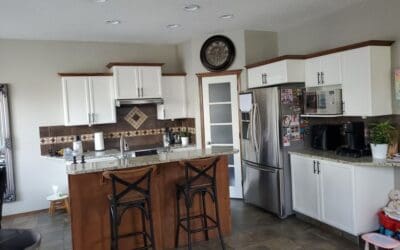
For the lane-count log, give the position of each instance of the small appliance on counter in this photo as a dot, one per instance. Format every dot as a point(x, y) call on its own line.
point(353, 133)
point(326, 137)
point(325, 100)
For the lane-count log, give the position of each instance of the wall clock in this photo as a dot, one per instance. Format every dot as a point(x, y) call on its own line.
point(217, 53)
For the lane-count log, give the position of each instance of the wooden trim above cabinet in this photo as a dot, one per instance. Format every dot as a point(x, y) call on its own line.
point(276, 59)
point(112, 64)
point(350, 47)
point(85, 74)
point(322, 53)
point(173, 74)
point(222, 73)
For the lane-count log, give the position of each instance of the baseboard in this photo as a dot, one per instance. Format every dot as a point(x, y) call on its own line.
point(11, 216)
point(323, 226)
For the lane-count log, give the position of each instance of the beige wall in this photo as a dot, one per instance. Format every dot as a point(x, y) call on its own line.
point(260, 45)
point(31, 67)
point(368, 20)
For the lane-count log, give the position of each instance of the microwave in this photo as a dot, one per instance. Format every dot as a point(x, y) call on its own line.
point(323, 101)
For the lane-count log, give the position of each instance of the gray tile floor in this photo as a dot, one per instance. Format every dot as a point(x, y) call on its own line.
point(253, 229)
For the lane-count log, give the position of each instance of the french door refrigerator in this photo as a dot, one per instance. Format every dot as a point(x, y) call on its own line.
point(271, 126)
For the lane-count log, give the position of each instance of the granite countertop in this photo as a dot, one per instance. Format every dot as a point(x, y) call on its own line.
point(331, 156)
point(115, 152)
point(163, 157)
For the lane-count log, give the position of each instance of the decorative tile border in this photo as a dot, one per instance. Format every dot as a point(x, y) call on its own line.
point(112, 135)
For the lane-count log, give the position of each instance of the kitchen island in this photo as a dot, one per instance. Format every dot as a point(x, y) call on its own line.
point(89, 204)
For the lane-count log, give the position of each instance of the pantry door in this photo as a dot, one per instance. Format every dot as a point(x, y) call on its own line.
point(221, 122)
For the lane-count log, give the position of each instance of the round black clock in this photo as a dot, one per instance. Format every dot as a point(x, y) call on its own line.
point(217, 53)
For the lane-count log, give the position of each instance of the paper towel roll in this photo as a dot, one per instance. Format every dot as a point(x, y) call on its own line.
point(98, 141)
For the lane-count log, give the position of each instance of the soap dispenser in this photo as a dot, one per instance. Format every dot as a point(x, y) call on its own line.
point(77, 145)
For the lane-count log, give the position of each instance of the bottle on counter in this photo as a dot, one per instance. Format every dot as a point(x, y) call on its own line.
point(77, 145)
point(166, 138)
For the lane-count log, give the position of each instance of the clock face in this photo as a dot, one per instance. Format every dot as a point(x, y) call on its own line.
point(217, 53)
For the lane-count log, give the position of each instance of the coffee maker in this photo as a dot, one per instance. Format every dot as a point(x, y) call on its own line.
point(354, 139)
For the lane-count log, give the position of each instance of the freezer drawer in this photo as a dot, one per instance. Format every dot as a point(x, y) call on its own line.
point(261, 187)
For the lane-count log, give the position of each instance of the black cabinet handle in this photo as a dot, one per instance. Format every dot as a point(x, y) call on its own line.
point(318, 76)
point(318, 170)
point(322, 78)
point(314, 167)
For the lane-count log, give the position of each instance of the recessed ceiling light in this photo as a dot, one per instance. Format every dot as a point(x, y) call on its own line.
point(227, 16)
point(173, 26)
point(114, 21)
point(191, 7)
point(100, 1)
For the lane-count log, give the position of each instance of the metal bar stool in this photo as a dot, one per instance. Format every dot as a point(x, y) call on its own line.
point(131, 190)
point(200, 178)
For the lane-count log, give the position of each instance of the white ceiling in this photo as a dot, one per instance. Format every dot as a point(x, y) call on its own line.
point(146, 20)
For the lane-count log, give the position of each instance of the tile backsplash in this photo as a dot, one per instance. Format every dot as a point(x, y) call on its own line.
point(138, 124)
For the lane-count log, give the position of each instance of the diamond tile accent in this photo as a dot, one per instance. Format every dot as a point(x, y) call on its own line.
point(136, 117)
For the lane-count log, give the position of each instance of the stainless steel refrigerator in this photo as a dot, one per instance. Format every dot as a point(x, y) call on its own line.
point(271, 126)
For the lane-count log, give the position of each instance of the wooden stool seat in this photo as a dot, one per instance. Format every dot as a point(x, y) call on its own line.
point(58, 202)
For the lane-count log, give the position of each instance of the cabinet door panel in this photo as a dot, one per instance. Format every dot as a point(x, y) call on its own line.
point(102, 100)
point(357, 82)
point(313, 67)
point(76, 100)
point(150, 82)
point(305, 186)
point(332, 73)
point(126, 82)
point(254, 77)
point(277, 73)
point(337, 201)
point(174, 95)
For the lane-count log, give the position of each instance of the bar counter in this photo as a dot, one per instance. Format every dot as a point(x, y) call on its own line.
point(90, 208)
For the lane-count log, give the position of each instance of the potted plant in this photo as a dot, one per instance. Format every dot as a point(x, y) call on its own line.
point(380, 137)
point(185, 138)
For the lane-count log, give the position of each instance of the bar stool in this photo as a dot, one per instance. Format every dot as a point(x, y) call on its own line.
point(131, 190)
point(200, 178)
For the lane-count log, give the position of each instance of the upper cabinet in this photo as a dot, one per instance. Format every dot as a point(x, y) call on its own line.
point(88, 100)
point(132, 80)
point(323, 70)
point(273, 73)
point(366, 88)
point(174, 95)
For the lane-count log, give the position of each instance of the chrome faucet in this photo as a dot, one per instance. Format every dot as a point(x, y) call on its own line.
point(123, 146)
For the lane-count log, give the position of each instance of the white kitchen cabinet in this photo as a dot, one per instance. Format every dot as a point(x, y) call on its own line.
point(348, 196)
point(285, 71)
point(323, 70)
point(88, 100)
point(132, 82)
point(102, 102)
point(305, 186)
point(337, 194)
point(174, 96)
point(150, 82)
point(126, 82)
point(367, 81)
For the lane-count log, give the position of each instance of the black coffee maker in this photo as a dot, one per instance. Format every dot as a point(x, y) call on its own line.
point(354, 139)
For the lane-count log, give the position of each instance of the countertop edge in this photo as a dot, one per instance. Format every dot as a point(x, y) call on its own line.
point(374, 163)
point(120, 164)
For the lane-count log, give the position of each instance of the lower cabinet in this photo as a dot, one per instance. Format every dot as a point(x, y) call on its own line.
point(341, 195)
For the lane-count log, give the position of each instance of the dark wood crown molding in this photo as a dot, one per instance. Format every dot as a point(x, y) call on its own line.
point(111, 64)
point(322, 53)
point(222, 73)
point(85, 74)
point(174, 74)
point(349, 47)
point(276, 59)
